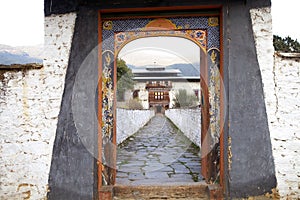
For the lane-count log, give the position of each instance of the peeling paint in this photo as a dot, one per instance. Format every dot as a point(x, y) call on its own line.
point(25, 97)
point(229, 154)
point(274, 194)
point(27, 193)
point(275, 88)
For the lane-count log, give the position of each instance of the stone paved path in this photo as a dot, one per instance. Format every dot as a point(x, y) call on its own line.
point(158, 154)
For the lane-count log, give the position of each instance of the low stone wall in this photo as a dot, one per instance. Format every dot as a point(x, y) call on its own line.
point(285, 131)
point(188, 121)
point(130, 121)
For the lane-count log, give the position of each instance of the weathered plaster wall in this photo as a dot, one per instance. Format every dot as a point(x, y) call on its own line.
point(130, 121)
point(188, 121)
point(30, 102)
point(285, 130)
point(281, 83)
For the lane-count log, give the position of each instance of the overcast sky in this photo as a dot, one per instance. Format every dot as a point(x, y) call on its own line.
point(22, 22)
point(160, 51)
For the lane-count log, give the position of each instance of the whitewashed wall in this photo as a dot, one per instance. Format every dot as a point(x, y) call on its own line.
point(281, 84)
point(188, 121)
point(286, 129)
point(30, 102)
point(130, 121)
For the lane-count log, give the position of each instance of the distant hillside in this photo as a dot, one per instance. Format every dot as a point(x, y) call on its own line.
point(36, 51)
point(14, 55)
point(131, 66)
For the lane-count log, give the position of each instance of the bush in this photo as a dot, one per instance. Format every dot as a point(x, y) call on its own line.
point(134, 104)
point(184, 100)
point(286, 44)
point(124, 79)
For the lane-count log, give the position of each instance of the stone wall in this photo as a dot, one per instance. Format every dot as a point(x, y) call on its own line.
point(188, 121)
point(30, 102)
point(281, 81)
point(285, 130)
point(130, 121)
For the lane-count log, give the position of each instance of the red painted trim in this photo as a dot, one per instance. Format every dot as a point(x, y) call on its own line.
point(222, 108)
point(99, 114)
point(204, 114)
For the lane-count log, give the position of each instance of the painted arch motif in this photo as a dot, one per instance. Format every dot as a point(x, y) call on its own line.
point(204, 31)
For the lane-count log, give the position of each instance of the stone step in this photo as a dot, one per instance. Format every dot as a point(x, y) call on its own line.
point(190, 191)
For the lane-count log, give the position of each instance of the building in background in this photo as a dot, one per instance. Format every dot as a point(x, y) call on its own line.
point(156, 87)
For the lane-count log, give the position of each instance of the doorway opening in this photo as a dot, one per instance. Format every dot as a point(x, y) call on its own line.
point(114, 34)
point(162, 73)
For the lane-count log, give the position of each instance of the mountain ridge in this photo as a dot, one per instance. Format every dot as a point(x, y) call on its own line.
point(20, 55)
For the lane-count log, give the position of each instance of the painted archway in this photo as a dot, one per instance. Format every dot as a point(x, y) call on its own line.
point(113, 35)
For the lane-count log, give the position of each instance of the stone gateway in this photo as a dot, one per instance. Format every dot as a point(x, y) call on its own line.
point(59, 125)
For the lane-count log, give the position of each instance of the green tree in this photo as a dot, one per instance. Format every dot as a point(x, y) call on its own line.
point(124, 79)
point(184, 100)
point(286, 44)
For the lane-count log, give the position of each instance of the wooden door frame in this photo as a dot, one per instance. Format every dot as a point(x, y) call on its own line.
point(205, 123)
